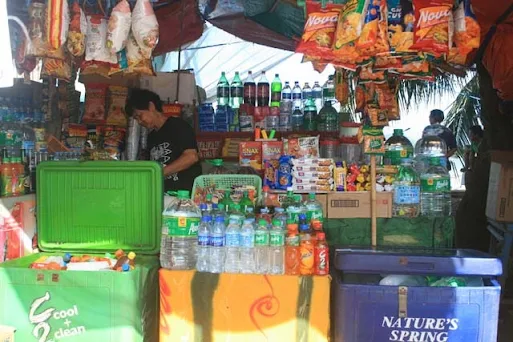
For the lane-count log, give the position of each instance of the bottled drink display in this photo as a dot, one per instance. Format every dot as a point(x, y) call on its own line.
point(322, 258)
point(250, 90)
point(262, 260)
point(233, 244)
point(307, 93)
point(247, 247)
point(276, 89)
point(406, 202)
point(204, 230)
point(397, 148)
point(277, 247)
point(223, 90)
point(306, 251)
point(297, 96)
point(217, 244)
point(328, 118)
point(297, 119)
point(430, 146)
point(236, 91)
point(314, 210)
point(328, 90)
point(435, 187)
point(263, 91)
point(292, 253)
point(317, 95)
point(286, 93)
point(180, 234)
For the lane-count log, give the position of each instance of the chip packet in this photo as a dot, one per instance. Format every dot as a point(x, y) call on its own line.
point(302, 147)
point(57, 22)
point(119, 25)
point(373, 39)
point(467, 33)
point(96, 96)
point(96, 39)
point(145, 27)
point(349, 28)
point(77, 31)
point(401, 23)
point(373, 140)
point(116, 115)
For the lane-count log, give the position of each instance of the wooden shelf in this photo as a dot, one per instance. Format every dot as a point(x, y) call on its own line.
point(218, 135)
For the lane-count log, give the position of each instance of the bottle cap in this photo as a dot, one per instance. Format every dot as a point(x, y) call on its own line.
point(311, 195)
point(279, 210)
point(203, 206)
point(304, 227)
point(131, 255)
point(302, 216)
point(125, 268)
point(206, 218)
point(321, 236)
point(183, 194)
point(262, 222)
point(220, 219)
point(398, 132)
point(292, 226)
point(276, 223)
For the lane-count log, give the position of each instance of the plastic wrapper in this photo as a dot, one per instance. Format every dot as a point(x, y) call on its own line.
point(401, 23)
point(319, 31)
point(373, 39)
point(116, 115)
point(57, 22)
point(77, 31)
point(307, 164)
point(368, 74)
point(434, 26)
point(37, 29)
point(271, 173)
point(313, 181)
point(377, 116)
point(144, 138)
point(133, 138)
point(95, 68)
point(341, 86)
point(96, 95)
point(467, 33)
point(24, 62)
point(373, 141)
point(114, 140)
point(57, 68)
point(96, 40)
point(145, 27)
point(119, 25)
point(136, 62)
point(312, 188)
point(284, 174)
point(339, 176)
point(349, 28)
point(252, 152)
point(302, 147)
point(312, 174)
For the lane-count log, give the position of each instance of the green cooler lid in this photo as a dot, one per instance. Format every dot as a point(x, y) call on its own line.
point(99, 206)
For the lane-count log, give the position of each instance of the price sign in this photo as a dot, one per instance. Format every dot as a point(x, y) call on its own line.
point(209, 148)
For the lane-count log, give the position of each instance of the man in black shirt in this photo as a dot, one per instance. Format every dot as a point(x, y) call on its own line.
point(437, 117)
point(171, 141)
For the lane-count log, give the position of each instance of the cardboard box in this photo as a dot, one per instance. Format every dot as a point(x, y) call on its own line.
point(499, 203)
point(322, 198)
point(252, 151)
point(357, 204)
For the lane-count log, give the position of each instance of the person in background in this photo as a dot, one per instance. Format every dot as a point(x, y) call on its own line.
point(171, 141)
point(437, 117)
point(476, 135)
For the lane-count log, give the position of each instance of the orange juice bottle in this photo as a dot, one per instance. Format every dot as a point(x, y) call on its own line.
point(292, 256)
point(306, 250)
point(20, 172)
point(15, 177)
point(6, 177)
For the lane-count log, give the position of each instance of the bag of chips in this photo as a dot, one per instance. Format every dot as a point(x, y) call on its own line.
point(77, 31)
point(116, 115)
point(145, 27)
point(114, 140)
point(301, 147)
point(37, 29)
point(96, 40)
point(434, 26)
point(373, 39)
point(284, 174)
point(136, 61)
point(467, 33)
point(319, 30)
point(401, 22)
point(57, 68)
point(119, 27)
point(373, 141)
point(348, 30)
point(96, 95)
point(57, 22)
point(341, 86)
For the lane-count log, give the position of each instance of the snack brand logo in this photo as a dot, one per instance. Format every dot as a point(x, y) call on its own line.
point(250, 151)
point(322, 259)
point(273, 150)
point(321, 20)
point(433, 16)
point(431, 329)
point(42, 320)
point(442, 184)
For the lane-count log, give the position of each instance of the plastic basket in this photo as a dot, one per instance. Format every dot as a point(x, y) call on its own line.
point(226, 182)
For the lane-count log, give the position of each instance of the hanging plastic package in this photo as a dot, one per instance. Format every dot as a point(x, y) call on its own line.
point(77, 31)
point(119, 27)
point(57, 22)
point(96, 40)
point(137, 63)
point(145, 27)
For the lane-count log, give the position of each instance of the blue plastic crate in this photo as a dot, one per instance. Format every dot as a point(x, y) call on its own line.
point(374, 313)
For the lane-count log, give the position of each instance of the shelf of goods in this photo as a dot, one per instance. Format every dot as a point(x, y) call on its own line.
point(89, 208)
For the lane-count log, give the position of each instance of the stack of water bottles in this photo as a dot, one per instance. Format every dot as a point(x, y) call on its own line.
point(232, 240)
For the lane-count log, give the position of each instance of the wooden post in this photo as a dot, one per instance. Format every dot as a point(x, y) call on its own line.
point(373, 202)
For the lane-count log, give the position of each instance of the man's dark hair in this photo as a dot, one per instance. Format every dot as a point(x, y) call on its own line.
point(477, 131)
point(140, 99)
point(437, 115)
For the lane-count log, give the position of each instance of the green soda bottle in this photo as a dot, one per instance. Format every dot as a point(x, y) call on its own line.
point(227, 201)
point(223, 91)
point(236, 92)
point(246, 202)
point(276, 88)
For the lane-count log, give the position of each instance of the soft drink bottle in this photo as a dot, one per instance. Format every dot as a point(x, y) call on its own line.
point(236, 92)
point(250, 90)
point(227, 201)
point(297, 95)
point(246, 202)
point(276, 89)
point(232, 258)
point(292, 254)
point(262, 248)
point(217, 249)
point(279, 213)
point(322, 255)
point(236, 213)
point(306, 250)
point(314, 210)
point(204, 230)
point(297, 119)
point(263, 91)
point(307, 93)
point(317, 96)
point(277, 248)
point(223, 91)
point(247, 247)
point(203, 209)
point(250, 214)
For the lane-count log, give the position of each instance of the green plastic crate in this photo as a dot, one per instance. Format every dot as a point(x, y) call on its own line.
point(93, 208)
point(225, 182)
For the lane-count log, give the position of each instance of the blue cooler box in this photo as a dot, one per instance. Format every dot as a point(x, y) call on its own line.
point(364, 311)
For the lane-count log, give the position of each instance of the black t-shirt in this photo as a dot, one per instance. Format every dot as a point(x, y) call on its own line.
point(450, 141)
point(167, 145)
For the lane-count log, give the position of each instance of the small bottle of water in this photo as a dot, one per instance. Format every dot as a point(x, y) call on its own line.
point(277, 249)
point(435, 188)
point(217, 243)
point(204, 229)
point(247, 247)
point(232, 258)
point(262, 248)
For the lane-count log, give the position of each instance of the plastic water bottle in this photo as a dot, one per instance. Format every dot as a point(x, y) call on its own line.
point(180, 234)
point(286, 93)
point(217, 243)
point(279, 214)
point(403, 280)
point(262, 248)
point(435, 187)
point(317, 95)
point(314, 209)
point(233, 237)
point(328, 90)
point(307, 93)
point(297, 119)
point(277, 248)
point(430, 146)
point(204, 229)
point(406, 201)
point(297, 96)
point(247, 247)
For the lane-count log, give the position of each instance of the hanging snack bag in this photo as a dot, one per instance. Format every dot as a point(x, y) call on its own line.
point(342, 86)
point(401, 23)
point(136, 62)
point(119, 27)
point(96, 40)
point(467, 33)
point(57, 22)
point(434, 26)
point(57, 68)
point(284, 174)
point(386, 94)
point(377, 116)
point(114, 140)
point(373, 39)
point(319, 31)
point(349, 27)
point(96, 95)
point(116, 115)
point(373, 141)
point(37, 29)
point(77, 31)
point(145, 27)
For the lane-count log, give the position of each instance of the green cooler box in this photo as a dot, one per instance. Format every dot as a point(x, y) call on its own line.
point(89, 208)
